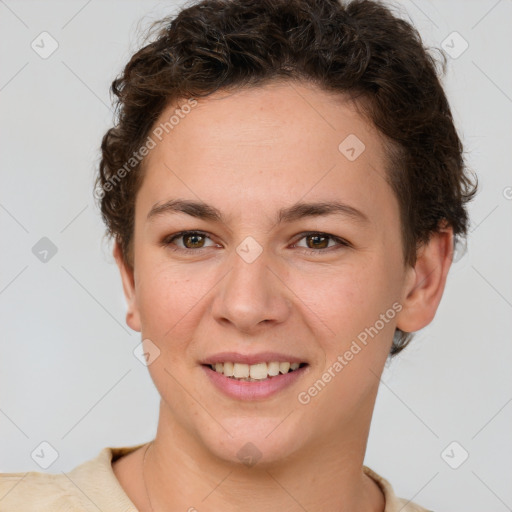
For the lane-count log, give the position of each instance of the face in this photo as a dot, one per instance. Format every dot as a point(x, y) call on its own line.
point(231, 265)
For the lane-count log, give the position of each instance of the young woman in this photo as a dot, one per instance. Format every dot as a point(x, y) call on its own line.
point(283, 185)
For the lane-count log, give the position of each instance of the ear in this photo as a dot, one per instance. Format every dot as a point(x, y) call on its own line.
point(127, 277)
point(425, 283)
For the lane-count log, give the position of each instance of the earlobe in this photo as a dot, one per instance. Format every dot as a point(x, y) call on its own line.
point(128, 280)
point(425, 284)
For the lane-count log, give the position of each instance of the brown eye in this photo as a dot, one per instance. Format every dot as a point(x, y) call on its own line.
point(187, 241)
point(317, 241)
point(193, 241)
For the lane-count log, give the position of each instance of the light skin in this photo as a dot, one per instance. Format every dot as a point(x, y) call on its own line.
point(249, 154)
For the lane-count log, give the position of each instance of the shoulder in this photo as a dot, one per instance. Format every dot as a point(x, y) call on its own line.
point(34, 492)
point(90, 486)
point(408, 506)
point(393, 502)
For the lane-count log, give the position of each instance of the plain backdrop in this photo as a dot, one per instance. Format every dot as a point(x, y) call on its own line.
point(68, 375)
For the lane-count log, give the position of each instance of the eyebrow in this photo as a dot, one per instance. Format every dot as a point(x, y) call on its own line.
point(292, 213)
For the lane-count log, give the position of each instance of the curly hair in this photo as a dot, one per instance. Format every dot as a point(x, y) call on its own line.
point(359, 47)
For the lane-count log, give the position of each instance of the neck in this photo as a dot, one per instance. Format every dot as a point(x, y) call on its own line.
point(182, 474)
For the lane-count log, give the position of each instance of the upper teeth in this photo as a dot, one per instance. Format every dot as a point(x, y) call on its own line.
point(257, 371)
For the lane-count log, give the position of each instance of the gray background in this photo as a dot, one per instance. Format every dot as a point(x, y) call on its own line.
point(68, 375)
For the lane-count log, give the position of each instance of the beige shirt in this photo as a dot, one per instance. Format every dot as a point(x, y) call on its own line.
point(93, 486)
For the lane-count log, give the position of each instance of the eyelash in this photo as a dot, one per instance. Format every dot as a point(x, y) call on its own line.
point(166, 242)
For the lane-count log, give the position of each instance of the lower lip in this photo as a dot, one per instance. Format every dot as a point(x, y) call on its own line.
point(258, 390)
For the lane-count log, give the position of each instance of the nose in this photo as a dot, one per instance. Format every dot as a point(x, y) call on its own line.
point(252, 296)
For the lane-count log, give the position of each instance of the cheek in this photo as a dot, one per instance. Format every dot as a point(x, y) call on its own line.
point(348, 297)
point(169, 300)
point(356, 303)
point(332, 296)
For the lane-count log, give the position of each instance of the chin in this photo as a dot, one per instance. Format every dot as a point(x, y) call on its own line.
point(261, 442)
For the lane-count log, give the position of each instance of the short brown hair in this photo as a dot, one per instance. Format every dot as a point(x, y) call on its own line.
point(358, 47)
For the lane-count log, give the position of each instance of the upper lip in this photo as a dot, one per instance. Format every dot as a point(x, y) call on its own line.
point(261, 357)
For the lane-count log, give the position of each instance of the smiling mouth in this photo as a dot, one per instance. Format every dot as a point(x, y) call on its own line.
point(254, 372)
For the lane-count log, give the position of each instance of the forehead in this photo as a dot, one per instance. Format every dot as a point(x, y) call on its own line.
point(263, 147)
